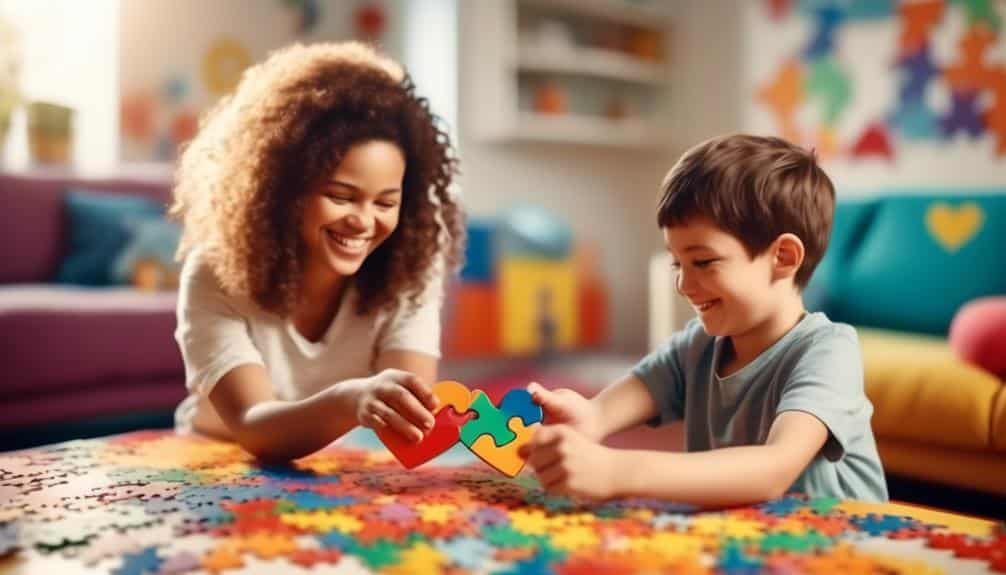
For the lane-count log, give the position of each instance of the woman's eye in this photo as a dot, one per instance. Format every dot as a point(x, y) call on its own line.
point(339, 199)
point(387, 205)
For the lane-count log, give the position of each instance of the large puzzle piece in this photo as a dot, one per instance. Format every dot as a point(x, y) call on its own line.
point(494, 435)
point(499, 432)
point(454, 400)
point(490, 421)
point(505, 457)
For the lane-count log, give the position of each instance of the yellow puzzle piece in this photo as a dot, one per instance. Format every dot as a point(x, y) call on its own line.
point(505, 458)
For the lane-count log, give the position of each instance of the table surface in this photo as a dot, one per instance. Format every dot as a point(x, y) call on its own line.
point(156, 502)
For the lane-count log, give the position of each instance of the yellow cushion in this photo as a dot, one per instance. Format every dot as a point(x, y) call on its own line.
point(981, 470)
point(999, 421)
point(922, 392)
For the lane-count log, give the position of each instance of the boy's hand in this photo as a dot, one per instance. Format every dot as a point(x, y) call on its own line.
point(398, 400)
point(568, 407)
point(568, 463)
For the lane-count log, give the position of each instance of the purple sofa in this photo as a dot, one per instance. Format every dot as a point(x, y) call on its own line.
point(75, 353)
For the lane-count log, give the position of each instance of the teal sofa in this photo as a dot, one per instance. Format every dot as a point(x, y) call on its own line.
point(900, 264)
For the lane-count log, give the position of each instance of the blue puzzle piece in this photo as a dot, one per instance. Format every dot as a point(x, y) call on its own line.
point(917, 70)
point(864, 10)
point(9, 538)
point(336, 540)
point(145, 561)
point(914, 121)
point(964, 116)
point(468, 552)
point(518, 403)
point(879, 525)
point(783, 507)
point(829, 18)
point(735, 561)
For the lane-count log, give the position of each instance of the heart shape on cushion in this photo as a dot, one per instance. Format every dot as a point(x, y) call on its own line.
point(454, 399)
point(952, 228)
point(495, 434)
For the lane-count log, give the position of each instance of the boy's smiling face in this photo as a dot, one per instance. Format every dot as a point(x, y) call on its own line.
point(732, 292)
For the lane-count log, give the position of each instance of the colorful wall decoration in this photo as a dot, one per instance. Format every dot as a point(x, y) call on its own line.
point(948, 65)
point(177, 58)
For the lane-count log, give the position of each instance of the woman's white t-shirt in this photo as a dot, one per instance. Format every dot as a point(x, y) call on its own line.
point(217, 333)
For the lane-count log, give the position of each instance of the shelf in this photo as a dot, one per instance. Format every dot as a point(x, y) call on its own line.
point(628, 133)
point(591, 62)
point(652, 14)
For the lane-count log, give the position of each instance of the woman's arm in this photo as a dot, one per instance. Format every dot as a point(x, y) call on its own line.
point(277, 430)
point(731, 475)
point(423, 365)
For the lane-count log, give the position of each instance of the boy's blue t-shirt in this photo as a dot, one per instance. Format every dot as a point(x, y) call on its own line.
point(816, 368)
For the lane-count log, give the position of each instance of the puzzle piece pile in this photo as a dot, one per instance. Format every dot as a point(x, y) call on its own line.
point(154, 502)
point(495, 434)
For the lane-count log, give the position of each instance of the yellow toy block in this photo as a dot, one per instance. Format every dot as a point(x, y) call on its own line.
point(539, 305)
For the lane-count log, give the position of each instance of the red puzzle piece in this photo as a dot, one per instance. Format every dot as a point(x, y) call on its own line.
point(875, 141)
point(445, 433)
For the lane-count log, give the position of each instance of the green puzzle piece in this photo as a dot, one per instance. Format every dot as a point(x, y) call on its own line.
point(491, 421)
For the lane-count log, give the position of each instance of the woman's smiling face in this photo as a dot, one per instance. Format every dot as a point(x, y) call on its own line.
point(350, 213)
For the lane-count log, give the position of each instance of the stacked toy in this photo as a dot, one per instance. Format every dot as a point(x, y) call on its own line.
point(526, 289)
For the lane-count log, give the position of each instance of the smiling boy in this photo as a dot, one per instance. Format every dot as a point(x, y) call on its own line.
point(772, 396)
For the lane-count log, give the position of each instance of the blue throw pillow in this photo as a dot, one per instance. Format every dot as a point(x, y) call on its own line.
point(922, 257)
point(99, 230)
point(148, 259)
point(850, 221)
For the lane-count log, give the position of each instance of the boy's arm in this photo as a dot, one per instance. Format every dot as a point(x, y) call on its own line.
point(623, 404)
point(731, 475)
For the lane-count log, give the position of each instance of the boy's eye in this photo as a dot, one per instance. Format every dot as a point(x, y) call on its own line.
point(703, 263)
point(676, 265)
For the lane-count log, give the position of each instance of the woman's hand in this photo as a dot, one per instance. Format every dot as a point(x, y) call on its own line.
point(565, 406)
point(398, 400)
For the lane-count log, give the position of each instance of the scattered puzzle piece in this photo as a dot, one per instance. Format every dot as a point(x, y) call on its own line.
point(370, 515)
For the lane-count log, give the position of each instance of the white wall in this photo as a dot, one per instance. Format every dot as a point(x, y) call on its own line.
point(165, 39)
point(70, 54)
point(430, 54)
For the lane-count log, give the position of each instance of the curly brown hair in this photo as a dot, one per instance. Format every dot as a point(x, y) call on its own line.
point(243, 179)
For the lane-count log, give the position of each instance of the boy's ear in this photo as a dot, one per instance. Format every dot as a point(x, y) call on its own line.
point(788, 255)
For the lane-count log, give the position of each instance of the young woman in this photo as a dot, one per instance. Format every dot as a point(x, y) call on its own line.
point(318, 228)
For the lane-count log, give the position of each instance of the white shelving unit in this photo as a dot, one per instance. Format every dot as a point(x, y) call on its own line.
point(591, 62)
point(507, 56)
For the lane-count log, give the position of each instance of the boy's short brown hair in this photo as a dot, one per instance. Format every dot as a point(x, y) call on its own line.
point(754, 188)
